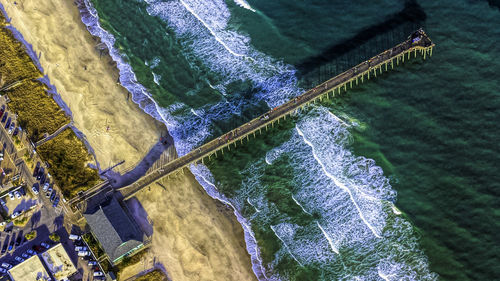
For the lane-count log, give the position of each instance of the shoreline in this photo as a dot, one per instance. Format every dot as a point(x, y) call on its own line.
point(143, 106)
point(94, 27)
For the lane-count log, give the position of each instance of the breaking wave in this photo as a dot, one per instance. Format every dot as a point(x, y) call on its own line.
point(353, 232)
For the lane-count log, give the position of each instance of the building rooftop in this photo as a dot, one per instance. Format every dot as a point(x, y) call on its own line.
point(30, 269)
point(114, 229)
point(58, 262)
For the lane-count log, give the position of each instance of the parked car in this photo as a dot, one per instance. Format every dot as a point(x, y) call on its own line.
point(6, 265)
point(91, 263)
point(83, 253)
point(37, 167)
point(4, 117)
point(4, 249)
point(11, 245)
point(11, 195)
point(42, 179)
point(56, 201)
point(25, 255)
point(74, 237)
point(45, 245)
point(2, 202)
point(22, 191)
point(46, 186)
point(2, 110)
point(19, 240)
point(41, 171)
point(8, 123)
point(16, 131)
point(19, 259)
point(80, 248)
point(15, 214)
point(11, 128)
point(18, 195)
point(98, 273)
point(49, 190)
point(53, 196)
point(35, 188)
point(3, 270)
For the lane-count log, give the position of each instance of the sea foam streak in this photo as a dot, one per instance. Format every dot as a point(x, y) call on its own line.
point(355, 235)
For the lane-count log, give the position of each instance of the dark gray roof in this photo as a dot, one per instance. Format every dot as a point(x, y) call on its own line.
point(114, 229)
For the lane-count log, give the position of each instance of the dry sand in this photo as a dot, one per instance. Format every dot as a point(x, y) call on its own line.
point(54, 28)
point(194, 237)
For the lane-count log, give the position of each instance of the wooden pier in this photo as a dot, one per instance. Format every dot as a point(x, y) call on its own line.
point(417, 44)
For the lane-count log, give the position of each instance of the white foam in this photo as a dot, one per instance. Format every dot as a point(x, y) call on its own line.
point(328, 238)
point(244, 4)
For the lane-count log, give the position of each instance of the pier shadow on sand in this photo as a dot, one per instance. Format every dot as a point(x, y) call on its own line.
point(117, 180)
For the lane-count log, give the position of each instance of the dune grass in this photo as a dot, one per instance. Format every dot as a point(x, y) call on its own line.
point(37, 112)
point(155, 275)
point(15, 64)
point(68, 161)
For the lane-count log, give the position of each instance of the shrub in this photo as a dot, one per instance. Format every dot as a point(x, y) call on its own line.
point(31, 235)
point(93, 244)
point(55, 237)
point(155, 275)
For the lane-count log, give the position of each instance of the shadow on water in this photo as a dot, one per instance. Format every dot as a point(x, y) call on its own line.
point(366, 43)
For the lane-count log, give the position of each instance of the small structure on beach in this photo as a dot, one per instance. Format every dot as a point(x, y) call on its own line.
point(115, 231)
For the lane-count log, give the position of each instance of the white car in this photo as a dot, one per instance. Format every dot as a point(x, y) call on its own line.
point(6, 265)
point(18, 195)
point(3, 270)
point(83, 253)
point(15, 214)
point(19, 259)
point(35, 190)
point(45, 245)
point(11, 196)
point(98, 273)
point(75, 237)
point(46, 186)
point(80, 248)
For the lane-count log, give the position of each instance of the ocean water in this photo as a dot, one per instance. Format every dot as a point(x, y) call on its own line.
point(395, 180)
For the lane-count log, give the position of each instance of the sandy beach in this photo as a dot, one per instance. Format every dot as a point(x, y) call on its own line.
point(86, 81)
point(194, 237)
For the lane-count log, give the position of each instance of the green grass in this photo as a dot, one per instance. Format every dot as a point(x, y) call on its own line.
point(68, 161)
point(37, 112)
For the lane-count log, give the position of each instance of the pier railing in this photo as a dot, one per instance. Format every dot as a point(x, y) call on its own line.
point(417, 44)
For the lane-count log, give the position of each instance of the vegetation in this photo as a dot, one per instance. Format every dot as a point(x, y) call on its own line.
point(15, 64)
point(55, 237)
point(31, 235)
point(21, 221)
point(155, 275)
point(37, 112)
point(130, 260)
point(94, 245)
point(68, 160)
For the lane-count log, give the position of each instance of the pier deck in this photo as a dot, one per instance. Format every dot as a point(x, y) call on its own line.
point(418, 42)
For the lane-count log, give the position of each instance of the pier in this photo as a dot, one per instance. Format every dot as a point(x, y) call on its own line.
point(417, 44)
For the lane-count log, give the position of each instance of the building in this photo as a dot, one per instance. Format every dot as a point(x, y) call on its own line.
point(58, 263)
point(30, 269)
point(115, 231)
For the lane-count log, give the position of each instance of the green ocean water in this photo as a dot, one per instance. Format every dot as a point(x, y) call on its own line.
point(432, 126)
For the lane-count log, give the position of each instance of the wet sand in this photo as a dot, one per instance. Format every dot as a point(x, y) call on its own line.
point(194, 236)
